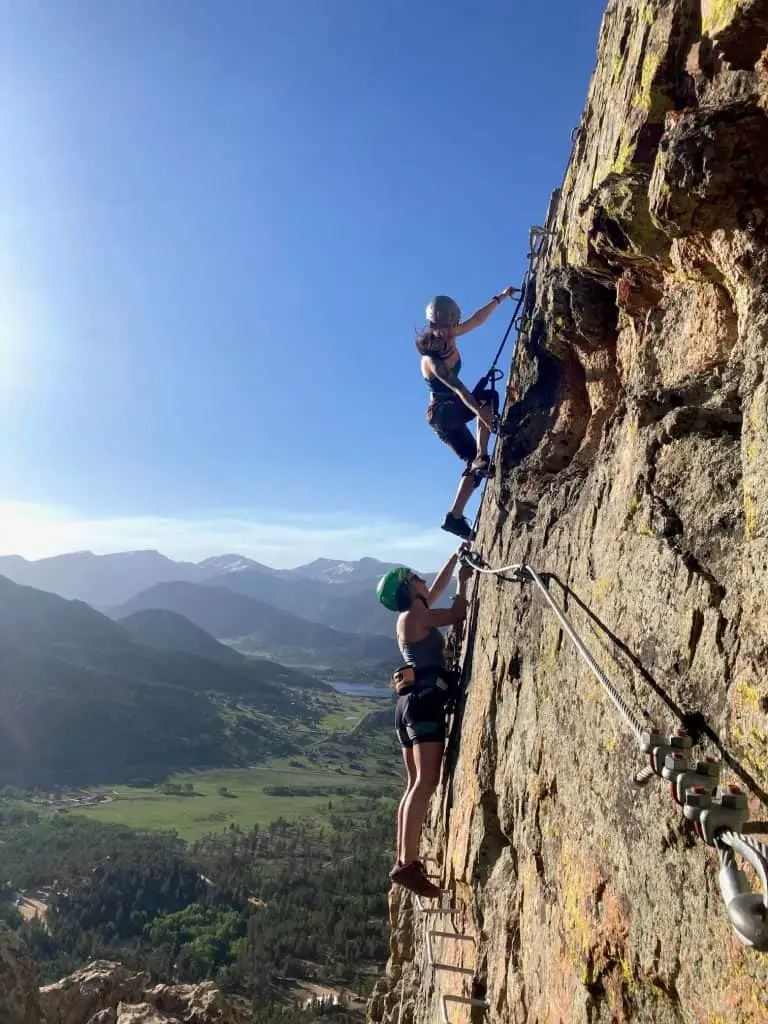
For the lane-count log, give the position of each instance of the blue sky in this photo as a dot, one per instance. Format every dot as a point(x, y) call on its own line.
point(219, 225)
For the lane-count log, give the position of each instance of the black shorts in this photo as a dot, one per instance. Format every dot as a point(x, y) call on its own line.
point(420, 717)
point(449, 418)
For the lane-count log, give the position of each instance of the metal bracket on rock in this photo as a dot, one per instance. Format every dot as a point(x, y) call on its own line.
point(657, 747)
point(682, 775)
point(712, 814)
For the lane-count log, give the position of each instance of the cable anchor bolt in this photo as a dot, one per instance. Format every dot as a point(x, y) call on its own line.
point(658, 747)
point(682, 775)
point(712, 814)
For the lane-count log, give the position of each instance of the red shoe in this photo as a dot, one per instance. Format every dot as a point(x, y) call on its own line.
point(413, 876)
point(399, 865)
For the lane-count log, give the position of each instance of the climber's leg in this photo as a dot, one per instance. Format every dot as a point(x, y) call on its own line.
point(410, 767)
point(428, 759)
point(489, 409)
point(467, 485)
point(483, 433)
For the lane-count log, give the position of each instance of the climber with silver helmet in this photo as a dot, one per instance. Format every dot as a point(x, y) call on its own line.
point(452, 405)
point(424, 686)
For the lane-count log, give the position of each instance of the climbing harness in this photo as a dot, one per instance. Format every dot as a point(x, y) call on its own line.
point(406, 677)
point(719, 821)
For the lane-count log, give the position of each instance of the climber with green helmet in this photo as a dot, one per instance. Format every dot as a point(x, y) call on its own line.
point(424, 687)
point(452, 405)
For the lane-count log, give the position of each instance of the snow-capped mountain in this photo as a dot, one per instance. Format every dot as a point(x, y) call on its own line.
point(231, 563)
point(334, 592)
point(332, 570)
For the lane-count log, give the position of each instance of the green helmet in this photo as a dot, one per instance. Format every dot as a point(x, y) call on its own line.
point(442, 311)
point(394, 589)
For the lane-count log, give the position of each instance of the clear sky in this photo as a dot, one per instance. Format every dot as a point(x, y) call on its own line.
point(220, 221)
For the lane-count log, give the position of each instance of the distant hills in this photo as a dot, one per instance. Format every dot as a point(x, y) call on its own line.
point(226, 614)
point(168, 631)
point(86, 699)
point(335, 593)
point(100, 580)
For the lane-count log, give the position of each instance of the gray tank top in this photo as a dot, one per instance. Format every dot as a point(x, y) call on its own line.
point(426, 652)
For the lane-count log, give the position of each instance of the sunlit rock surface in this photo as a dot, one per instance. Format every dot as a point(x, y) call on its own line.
point(634, 470)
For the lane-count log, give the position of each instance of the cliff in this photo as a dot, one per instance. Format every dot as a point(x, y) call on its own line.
point(103, 993)
point(633, 470)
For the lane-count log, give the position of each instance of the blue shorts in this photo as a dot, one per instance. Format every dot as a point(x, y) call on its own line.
point(420, 717)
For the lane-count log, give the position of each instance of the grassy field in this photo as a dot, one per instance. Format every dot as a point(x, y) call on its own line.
point(246, 804)
point(331, 760)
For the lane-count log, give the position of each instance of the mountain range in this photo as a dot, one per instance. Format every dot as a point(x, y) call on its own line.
point(335, 593)
point(229, 615)
point(84, 698)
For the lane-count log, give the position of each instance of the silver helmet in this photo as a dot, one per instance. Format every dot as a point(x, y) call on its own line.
point(442, 311)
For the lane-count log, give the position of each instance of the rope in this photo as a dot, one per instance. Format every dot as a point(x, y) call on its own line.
point(510, 325)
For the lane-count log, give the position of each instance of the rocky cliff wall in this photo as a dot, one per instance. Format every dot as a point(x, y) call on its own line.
point(104, 993)
point(634, 470)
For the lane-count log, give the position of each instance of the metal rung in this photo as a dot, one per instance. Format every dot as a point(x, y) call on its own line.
point(452, 935)
point(434, 910)
point(451, 968)
point(463, 1001)
point(437, 966)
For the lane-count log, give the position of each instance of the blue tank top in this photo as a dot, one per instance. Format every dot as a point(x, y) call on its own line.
point(440, 390)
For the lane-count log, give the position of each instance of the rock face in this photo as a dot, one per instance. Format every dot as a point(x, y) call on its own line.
point(102, 993)
point(19, 1003)
point(639, 448)
point(108, 993)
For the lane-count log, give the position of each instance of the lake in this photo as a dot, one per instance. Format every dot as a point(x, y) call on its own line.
point(362, 690)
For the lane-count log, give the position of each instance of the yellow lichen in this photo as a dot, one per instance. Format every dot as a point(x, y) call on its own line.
point(719, 15)
point(624, 156)
point(748, 696)
point(627, 973)
point(645, 531)
point(575, 886)
point(750, 512)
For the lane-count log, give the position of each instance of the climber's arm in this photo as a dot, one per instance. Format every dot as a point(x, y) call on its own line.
point(450, 379)
point(442, 579)
point(448, 616)
point(483, 313)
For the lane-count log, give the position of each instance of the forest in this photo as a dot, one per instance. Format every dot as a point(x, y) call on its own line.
point(251, 910)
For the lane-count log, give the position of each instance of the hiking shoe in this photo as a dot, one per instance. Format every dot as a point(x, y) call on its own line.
point(458, 525)
point(481, 466)
point(412, 876)
point(399, 865)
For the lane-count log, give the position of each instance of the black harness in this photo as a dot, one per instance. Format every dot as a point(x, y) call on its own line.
point(406, 679)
